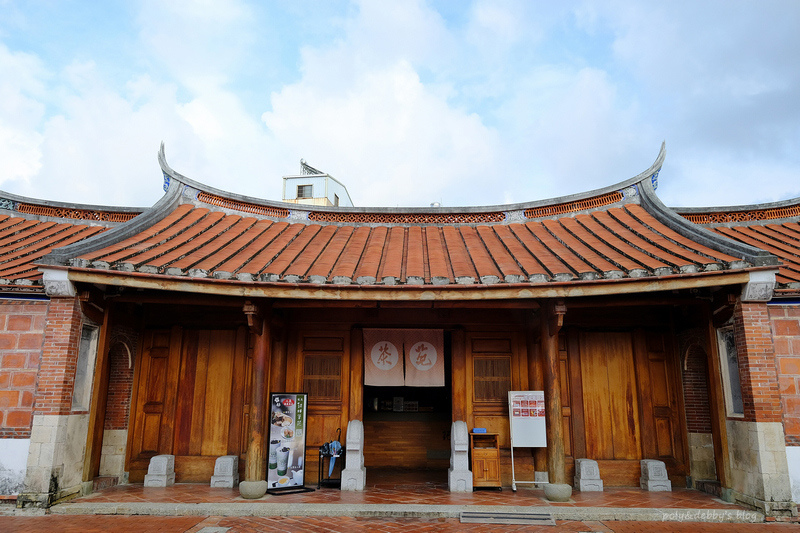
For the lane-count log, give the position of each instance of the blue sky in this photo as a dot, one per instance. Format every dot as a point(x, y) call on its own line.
point(406, 102)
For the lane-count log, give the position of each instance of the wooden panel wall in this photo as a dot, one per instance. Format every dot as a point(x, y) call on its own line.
point(407, 443)
point(190, 400)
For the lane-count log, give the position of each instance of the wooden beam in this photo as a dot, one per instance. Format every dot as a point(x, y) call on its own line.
point(255, 462)
point(499, 291)
point(550, 325)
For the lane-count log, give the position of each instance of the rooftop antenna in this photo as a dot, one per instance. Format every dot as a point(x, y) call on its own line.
point(306, 169)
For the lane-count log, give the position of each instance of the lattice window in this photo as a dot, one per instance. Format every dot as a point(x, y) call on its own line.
point(492, 378)
point(743, 216)
point(75, 214)
point(407, 218)
point(322, 376)
point(577, 205)
point(242, 206)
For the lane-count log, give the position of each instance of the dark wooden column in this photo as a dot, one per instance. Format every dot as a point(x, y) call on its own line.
point(254, 469)
point(535, 382)
point(551, 322)
point(458, 365)
point(356, 395)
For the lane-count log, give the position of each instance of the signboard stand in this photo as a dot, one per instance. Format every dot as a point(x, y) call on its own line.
point(526, 421)
point(287, 443)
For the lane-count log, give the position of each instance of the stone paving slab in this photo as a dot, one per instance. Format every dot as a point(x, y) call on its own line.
point(402, 511)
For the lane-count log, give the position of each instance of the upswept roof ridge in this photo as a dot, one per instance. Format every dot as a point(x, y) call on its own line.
point(31, 228)
point(207, 196)
point(621, 232)
point(773, 227)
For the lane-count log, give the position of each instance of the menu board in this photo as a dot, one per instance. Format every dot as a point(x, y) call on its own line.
point(526, 415)
point(287, 441)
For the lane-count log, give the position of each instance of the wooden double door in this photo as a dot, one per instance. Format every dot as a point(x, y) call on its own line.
point(190, 400)
point(623, 402)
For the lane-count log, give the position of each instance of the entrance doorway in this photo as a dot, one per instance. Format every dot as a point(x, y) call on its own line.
point(407, 430)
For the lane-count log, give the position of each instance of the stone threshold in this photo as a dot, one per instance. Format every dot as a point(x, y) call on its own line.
point(405, 511)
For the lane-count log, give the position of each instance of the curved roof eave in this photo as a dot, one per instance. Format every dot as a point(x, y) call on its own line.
point(649, 174)
point(94, 207)
point(33, 227)
point(675, 221)
point(160, 209)
point(618, 232)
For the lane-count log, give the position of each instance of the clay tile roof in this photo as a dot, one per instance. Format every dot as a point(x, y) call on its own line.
point(773, 227)
point(31, 229)
point(611, 234)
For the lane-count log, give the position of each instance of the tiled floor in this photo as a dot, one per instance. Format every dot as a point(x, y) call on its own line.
point(392, 487)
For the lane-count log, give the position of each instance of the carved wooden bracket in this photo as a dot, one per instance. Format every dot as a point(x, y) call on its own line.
point(92, 304)
point(555, 319)
point(255, 317)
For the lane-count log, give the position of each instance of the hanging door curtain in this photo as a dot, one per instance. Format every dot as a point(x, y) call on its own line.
point(383, 357)
point(422, 350)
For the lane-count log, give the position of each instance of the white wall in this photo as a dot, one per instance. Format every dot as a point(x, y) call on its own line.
point(13, 460)
point(793, 458)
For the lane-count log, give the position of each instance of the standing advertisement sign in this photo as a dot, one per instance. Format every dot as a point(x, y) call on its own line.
point(287, 442)
point(527, 424)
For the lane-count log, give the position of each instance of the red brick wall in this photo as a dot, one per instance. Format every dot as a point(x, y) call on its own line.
point(21, 336)
point(120, 383)
point(59, 357)
point(757, 366)
point(786, 333)
point(695, 391)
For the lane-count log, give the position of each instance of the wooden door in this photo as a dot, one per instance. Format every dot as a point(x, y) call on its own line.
point(625, 403)
point(190, 400)
point(155, 395)
point(610, 403)
point(321, 368)
point(663, 435)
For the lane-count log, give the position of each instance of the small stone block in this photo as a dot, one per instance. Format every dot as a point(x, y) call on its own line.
point(226, 472)
point(160, 471)
point(587, 469)
point(587, 476)
point(161, 465)
point(654, 476)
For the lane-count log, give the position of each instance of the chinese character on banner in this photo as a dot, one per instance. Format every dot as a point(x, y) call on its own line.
point(383, 363)
point(424, 351)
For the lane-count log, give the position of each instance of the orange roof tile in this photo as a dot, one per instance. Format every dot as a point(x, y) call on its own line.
point(615, 243)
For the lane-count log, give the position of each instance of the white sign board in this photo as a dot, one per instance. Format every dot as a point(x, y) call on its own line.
point(526, 416)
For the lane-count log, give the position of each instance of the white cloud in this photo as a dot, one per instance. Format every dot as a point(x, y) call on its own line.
point(387, 137)
point(21, 111)
point(504, 101)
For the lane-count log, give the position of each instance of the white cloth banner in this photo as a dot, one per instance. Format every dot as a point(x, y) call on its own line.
point(385, 351)
point(383, 357)
point(424, 351)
